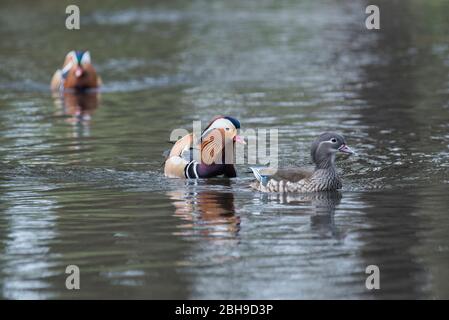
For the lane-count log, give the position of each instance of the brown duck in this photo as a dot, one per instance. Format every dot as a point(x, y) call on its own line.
point(323, 177)
point(77, 73)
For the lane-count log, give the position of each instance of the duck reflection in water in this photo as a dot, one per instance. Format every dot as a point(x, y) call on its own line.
point(79, 105)
point(320, 205)
point(206, 213)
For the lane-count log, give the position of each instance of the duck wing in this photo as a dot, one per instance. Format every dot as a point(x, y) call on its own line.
point(263, 175)
point(181, 145)
point(292, 174)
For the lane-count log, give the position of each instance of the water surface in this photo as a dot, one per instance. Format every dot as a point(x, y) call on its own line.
point(82, 180)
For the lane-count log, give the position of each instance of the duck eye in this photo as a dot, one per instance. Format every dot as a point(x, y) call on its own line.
point(333, 140)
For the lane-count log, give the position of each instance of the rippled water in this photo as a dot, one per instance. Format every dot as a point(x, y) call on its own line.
point(84, 186)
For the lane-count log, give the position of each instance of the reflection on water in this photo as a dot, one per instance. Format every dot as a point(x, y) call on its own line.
point(28, 241)
point(80, 106)
point(206, 213)
point(77, 108)
point(83, 184)
point(319, 205)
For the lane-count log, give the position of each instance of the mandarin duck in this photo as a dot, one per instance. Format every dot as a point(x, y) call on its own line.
point(207, 156)
point(323, 177)
point(77, 73)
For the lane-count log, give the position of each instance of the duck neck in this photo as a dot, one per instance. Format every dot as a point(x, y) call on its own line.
point(326, 163)
point(325, 176)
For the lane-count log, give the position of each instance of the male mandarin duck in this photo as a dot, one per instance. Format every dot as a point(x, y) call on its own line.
point(208, 156)
point(323, 178)
point(77, 73)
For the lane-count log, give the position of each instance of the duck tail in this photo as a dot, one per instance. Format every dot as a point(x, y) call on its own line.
point(263, 179)
point(166, 155)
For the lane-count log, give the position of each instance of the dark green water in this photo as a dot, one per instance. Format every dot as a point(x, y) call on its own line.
point(89, 190)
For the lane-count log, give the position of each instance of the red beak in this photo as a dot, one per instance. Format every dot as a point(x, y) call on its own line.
point(78, 72)
point(239, 139)
point(345, 149)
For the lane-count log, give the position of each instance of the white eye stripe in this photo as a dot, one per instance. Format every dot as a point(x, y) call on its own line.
point(218, 124)
point(221, 123)
point(72, 55)
point(67, 67)
point(86, 58)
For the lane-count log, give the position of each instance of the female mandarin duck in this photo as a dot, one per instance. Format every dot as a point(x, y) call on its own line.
point(208, 156)
point(323, 178)
point(77, 73)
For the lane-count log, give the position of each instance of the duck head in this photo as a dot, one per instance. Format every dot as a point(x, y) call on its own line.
point(325, 147)
point(219, 136)
point(78, 71)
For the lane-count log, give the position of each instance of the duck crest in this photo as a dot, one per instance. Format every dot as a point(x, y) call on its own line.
point(233, 120)
point(79, 55)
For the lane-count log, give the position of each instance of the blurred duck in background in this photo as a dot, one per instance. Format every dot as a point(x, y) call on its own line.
point(77, 73)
